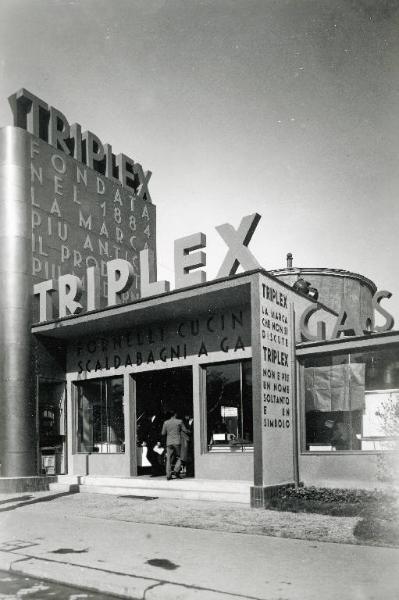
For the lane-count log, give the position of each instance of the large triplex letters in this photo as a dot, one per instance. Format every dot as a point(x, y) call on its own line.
point(51, 125)
point(44, 290)
point(58, 135)
point(237, 242)
point(149, 286)
point(120, 277)
point(70, 291)
point(120, 273)
point(29, 112)
point(186, 260)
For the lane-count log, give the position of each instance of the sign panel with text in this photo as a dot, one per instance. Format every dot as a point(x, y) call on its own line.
point(83, 219)
point(276, 381)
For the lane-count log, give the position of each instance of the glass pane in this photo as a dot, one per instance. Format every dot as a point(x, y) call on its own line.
point(229, 404)
point(51, 413)
point(100, 416)
point(334, 392)
point(115, 415)
point(247, 434)
point(52, 438)
point(380, 425)
point(99, 423)
point(380, 419)
point(382, 368)
point(352, 401)
point(87, 392)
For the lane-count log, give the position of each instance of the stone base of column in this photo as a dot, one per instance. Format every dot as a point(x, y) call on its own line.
point(19, 464)
point(26, 484)
point(261, 495)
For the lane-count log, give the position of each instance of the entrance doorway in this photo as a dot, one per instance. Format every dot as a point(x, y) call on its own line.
point(158, 395)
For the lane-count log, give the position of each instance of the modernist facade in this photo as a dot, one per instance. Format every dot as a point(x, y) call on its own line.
point(281, 382)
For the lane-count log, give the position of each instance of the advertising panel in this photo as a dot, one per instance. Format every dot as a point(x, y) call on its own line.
point(82, 219)
point(66, 203)
point(162, 343)
point(276, 382)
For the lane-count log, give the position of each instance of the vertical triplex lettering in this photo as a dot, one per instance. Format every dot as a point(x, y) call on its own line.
point(275, 356)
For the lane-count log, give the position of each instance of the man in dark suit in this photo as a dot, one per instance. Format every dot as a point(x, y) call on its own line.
point(172, 429)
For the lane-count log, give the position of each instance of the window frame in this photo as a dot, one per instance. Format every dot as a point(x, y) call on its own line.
point(348, 352)
point(227, 448)
point(77, 385)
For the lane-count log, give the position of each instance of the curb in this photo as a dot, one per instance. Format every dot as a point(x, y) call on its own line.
point(97, 580)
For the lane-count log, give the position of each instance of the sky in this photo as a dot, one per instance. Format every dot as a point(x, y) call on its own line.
point(288, 108)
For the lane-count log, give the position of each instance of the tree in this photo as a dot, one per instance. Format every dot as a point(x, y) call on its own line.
point(389, 414)
point(388, 463)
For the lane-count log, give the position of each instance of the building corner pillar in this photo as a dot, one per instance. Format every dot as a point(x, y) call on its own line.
point(17, 405)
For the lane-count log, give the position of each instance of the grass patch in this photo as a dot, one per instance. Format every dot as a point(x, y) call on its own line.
point(315, 506)
point(378, 512)
point(325, 501)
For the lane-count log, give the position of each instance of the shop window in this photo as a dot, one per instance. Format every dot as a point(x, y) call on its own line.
point(52, 426)
point(100, 417)
point(352, 401)
point(381, 420)
point(229, 405)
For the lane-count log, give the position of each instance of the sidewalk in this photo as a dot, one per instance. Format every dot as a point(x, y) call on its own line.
point(113, 545)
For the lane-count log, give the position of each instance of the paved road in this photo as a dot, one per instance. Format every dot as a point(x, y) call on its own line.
point(15, 587)
point(61, 540)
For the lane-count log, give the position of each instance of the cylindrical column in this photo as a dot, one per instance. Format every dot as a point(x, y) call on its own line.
point(17, 409)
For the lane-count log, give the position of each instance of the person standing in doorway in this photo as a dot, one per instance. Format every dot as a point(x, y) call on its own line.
point(156, 454)
point(172, 429)
point(186, 446)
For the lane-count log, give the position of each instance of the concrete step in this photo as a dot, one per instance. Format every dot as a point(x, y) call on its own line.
point(65, 483)
point(172, 492)
point(68, 478)
point(189, 489)
point(157, 482)
point(64, 487)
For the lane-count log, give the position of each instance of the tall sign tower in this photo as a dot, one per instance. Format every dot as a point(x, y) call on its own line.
point(66, 203)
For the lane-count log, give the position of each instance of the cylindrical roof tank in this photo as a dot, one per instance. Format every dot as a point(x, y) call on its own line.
point(333, 285)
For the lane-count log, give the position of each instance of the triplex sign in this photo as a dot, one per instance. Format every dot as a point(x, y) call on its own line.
point(186, 259)
point(50, 124)
point(120, 274)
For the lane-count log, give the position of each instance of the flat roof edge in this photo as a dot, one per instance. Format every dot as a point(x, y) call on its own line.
point(371, 339)
point(238, 279)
